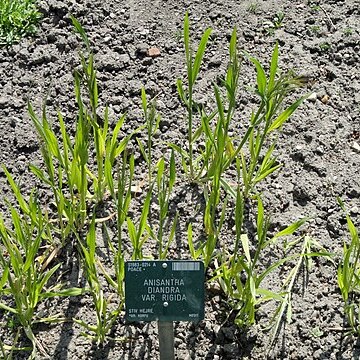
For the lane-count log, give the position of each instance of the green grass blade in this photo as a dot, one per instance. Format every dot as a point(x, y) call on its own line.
point(188, 55)
point(172, 176)
point(273, 67)
point(268, 295)
point(181, 92)
point(199, 54)
point(261, 76)
point(131, 231)
point(160, 172)
point(245, 245)
point(46, 278)
point(79, 29)
point(4, 277)
point(284, 116)
point(260, 219)
point(144, 101)
point(144, 213)
point(220, 105)
point(289, 230)
point(142, 150)
point(16, 190)
point(40, 174)
point(74, 291)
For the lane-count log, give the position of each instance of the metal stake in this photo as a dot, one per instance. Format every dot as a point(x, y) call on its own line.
point(166, 340)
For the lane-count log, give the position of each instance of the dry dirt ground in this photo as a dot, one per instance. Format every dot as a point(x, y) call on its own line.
point(319, 147)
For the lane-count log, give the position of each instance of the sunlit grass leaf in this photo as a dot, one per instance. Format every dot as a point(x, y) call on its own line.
point(16, 191)
point(245, 245)
point(289, 230)
point(261, 76)
point(267, 295)
point(74, 291)
point(187, 47)
point(80, 30)
point(4, 276)
point(199, 54)
point(273, 67)
point(280, 120)
point(40, 174)
point(144, 100)
point(181, 92)
point(172, 176)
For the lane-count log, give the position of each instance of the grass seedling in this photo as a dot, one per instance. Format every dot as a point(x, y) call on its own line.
point(107, 147)
point(253, 7)
point(122, 199)
point(268, 118)
point(241, 275)
point(67, 162)
point(220, 151)
point(105, 318)
point(275, 23)
point(139, 234)
point(314, 5)
point(18, 18)
point(278, 20)
point(165, 181)
point(315, 29)
point(219, 147)
point(65, 166)
point(25, 277)
point(152, 121)
point(348, 31)
point(220, 139)
point(310, 248)
point(186, 96)
point(348, 276)
point(324, 47)
point(265, 120)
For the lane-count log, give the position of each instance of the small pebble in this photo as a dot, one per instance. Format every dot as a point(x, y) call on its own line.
point(312, 97)
point(154, 52)
point(354, 210)
point(355, 146)
point(325, 99)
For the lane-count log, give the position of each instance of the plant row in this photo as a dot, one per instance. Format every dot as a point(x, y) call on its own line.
point(80, 183)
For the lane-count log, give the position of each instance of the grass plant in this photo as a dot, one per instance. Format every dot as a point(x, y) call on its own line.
point(139, 233)
point(253, 7)
point(186, 94)
point(165, 181)
point(348, 276)
point(18, 18)
point(275, 23)
point(310, 248)
point(220, 151)
point(152, 121)
point(24, 261)
point(240, 273)
point(105, 318)
point(267, 119)
point(67, 163)
point(348, 31)
point(122, 198)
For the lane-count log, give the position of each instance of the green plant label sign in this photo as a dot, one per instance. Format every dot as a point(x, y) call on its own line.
point(164, 290)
